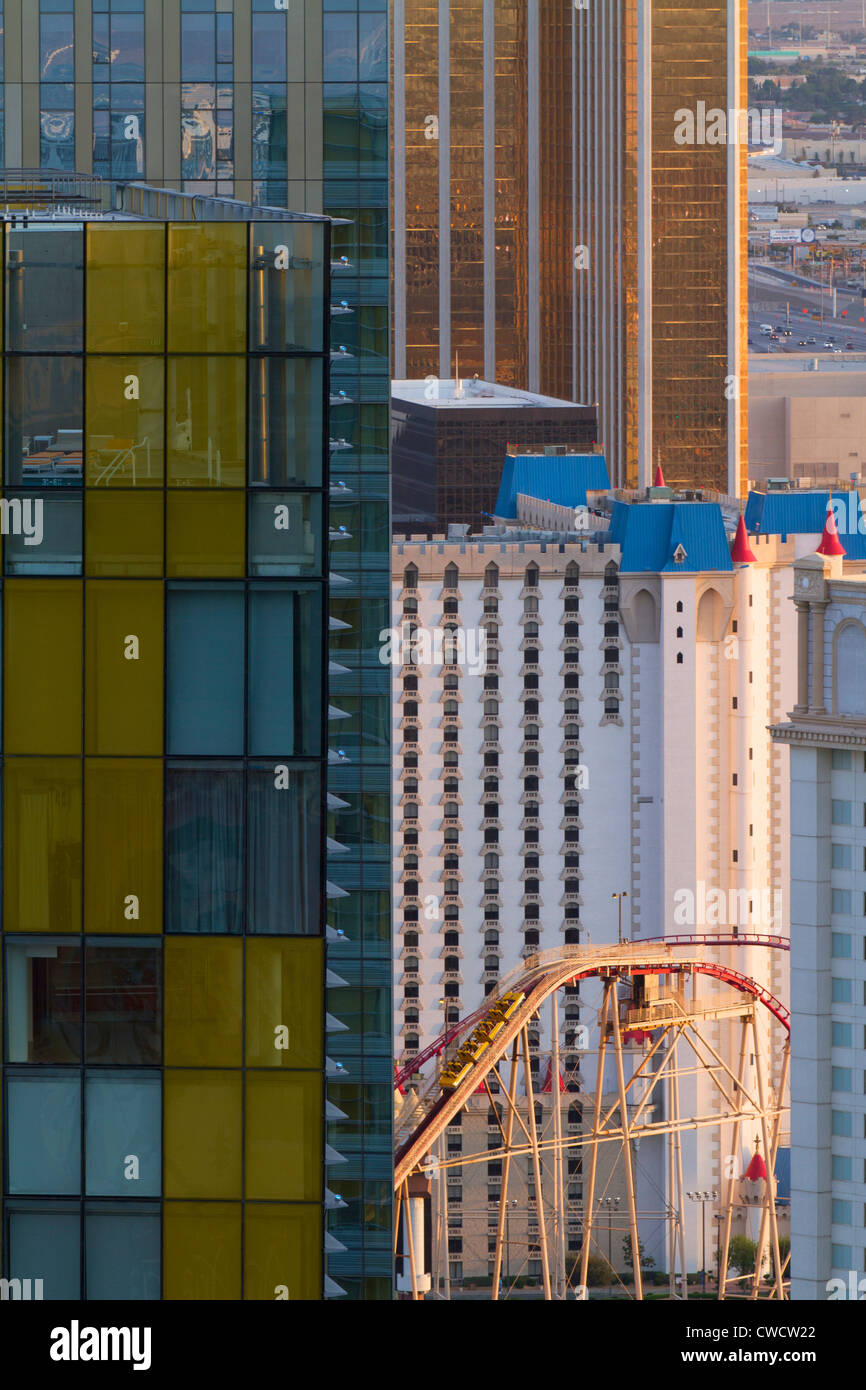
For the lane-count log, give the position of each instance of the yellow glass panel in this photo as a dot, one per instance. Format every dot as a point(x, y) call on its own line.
point(124, 667)
point(42, 667)
point(207, 290)
point(123, 442)
point(205, 534)
point(125, 287)
point(122, 845)
point(42, 844)
point(283, 1136)
point(284, 1013)
point(206, 424)
point(123, 533)
point(282, 1251)
point(203, 1001)
point(202, 1133)
point(201, 1248)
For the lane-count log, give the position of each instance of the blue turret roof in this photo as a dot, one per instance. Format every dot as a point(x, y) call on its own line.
point(650, 533)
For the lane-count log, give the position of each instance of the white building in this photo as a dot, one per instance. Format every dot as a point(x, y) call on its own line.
point(827, 740)
point(620, 743)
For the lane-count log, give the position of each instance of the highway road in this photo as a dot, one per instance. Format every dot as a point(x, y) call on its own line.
point(780, 297)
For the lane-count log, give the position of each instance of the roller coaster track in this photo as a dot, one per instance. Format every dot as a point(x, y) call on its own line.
point(403, 1074)
point(536, 979)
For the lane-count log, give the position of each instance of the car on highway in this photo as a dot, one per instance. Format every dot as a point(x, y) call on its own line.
point(849, 347)
point(774, 338)
point(802, 343)
point(838, 350)
point(788, 332)
point(810, 342)
point(828, 343)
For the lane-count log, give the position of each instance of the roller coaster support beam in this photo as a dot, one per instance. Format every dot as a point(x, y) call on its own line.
point(732, 1157)
point(506, 1169)
point(626, 1150)
point(769, 1212)
point(536, 1163)
point(589, 1205)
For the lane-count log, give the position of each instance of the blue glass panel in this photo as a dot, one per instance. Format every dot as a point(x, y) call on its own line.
point(123, 1134)
point(269, 47)
point(205, 670)
point(122, 1247)
point(284, 671)
point(45, 1243)
point(197, 48)
point(44, 1131)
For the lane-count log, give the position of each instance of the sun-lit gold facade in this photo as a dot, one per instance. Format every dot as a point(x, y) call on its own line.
point(589, 254)
point(699, 243)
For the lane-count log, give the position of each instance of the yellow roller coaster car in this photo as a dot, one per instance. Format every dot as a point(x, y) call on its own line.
point(479, 1040)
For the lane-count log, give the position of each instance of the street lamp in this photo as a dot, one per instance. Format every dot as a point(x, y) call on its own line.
point(619, 897)
point(612, 1205)
point(703, 1198)
point(512, 1202)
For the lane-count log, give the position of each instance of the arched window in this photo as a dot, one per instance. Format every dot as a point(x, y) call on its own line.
point(679, 658)
point(452, 576)
point(410, 577)
point(709, 616)
point(644, 608)
point(572, 575)
point(531, 578)
point(491, 577)
point(850, 669)
point(679, 605)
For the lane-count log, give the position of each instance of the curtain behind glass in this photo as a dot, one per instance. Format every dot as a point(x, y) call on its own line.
point(284, 840)
point(204, 837)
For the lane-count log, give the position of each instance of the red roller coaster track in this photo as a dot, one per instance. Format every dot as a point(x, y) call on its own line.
point(725, 973)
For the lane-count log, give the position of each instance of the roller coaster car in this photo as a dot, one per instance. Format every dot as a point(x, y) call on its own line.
point(454, 1074)
point(509, 1002)
point(474, 1046)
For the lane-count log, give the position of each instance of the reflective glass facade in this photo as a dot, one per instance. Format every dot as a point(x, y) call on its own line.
point(164, 757)
point(355, 170)
point(280, 104)
point(543, 210)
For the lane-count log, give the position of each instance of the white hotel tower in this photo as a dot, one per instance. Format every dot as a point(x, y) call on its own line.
point(619, 744)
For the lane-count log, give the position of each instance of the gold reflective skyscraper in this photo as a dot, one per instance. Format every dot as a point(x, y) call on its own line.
point(551, 231)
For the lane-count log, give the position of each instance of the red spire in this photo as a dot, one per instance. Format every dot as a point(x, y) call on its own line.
point(741, 554)
point(659, 479)
point(548, 1080)
point(830, 542)
point(757, 1169)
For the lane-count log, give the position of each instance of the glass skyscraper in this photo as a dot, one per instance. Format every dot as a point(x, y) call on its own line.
point(277, 105)
point(164, 752)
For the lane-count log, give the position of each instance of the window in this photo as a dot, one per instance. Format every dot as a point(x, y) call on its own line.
point(842, 1034)
point(842, 991)
point(205, 695)
point(842, 1212)
point(842, 856)
point(841, 942)
point(842, 813)
point(842, 1123)
point(841, 1078)
point(842, 1168)
point(840, 759)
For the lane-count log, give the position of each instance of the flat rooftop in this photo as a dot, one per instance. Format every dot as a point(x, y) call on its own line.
point(473, 394)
